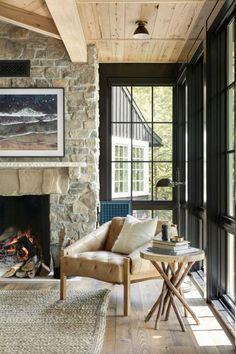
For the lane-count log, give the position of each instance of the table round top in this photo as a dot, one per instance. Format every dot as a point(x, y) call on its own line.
point(160, 257)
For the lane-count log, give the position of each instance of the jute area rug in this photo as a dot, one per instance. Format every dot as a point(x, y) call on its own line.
point(35, 322)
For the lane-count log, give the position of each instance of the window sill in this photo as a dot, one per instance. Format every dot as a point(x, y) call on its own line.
point(224, 315)
point(220, 310)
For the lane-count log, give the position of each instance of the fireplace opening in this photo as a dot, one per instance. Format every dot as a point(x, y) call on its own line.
point(24, 234)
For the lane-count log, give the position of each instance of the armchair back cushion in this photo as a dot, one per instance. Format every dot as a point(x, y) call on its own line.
point(134, 234)
point(113, 232)
point(116, 227)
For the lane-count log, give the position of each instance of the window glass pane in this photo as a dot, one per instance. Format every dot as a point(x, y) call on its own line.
point(165, 215)
point(141, 177)
point(122, 131)
point(162, 170)
point(120, 104)
point(142, 104)
point(142, 214)
point(142, 134)
point(231, 266)
point(230, 42)
point(162, 142)
point(230, 122)
point(138, 153)
point(121, 152)
point(162, 104)
point(137, 142)
point(120, 180)
point(230, 184)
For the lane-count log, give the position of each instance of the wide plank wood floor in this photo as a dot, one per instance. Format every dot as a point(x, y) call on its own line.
point(131, 335)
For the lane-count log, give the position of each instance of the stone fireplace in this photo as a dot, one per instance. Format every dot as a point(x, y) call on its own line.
point(70, 182)
point(45, 200)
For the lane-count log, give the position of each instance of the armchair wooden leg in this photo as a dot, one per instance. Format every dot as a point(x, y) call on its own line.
point(126, 286)
point(62, 285)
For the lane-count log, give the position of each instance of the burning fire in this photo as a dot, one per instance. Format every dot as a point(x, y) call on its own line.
point(14, 246)
point(22, 251)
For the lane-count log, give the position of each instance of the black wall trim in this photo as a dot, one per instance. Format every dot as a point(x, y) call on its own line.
point(127, 74)
point(14, 68)
point(224, 14)
point(139, 72)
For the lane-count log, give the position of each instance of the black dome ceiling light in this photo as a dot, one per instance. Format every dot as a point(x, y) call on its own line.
point(141, 32)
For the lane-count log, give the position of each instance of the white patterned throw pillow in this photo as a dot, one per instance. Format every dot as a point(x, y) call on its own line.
point(134, 234)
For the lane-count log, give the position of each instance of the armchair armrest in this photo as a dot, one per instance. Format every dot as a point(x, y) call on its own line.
point(138, 264)
point(92, 242)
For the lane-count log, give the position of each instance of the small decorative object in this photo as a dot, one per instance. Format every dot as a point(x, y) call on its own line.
point(164, 232)
point(31, 122)
point(177, 239)
point(173, 231)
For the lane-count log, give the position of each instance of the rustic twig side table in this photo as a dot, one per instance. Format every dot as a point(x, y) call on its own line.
point(173, 270)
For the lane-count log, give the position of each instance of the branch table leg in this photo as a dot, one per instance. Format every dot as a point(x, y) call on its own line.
point(175, 279)
point(172, 301)
point(160, 306)
point(175, 290)
point(173, 270)
point(150, 313)
point(182, 294)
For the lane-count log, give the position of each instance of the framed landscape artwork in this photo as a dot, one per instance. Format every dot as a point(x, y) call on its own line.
point(31, 122)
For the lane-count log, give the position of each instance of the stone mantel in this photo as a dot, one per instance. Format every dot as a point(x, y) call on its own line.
point(33, 181)
point(4, 165)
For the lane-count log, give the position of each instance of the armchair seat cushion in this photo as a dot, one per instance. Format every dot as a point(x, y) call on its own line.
point(106, 265)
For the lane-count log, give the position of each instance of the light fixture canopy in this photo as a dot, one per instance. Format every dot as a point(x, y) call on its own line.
point(141, 32)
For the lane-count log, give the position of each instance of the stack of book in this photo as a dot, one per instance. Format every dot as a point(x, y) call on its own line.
point(171, 248)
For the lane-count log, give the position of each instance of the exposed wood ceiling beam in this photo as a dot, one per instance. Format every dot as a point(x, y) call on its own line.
point(29, 20)
point(66, 17)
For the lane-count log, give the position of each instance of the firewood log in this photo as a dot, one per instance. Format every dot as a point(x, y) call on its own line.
point(12, 271)
point(21, 274)
point(8, 233)
point(31, 274)
point(28, 266)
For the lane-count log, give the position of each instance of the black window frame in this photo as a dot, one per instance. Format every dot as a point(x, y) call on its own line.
point(135, 75)
point(195, 126)
point(218, 222)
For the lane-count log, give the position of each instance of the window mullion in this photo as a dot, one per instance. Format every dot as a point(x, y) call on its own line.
point(152, 166)
point(131, 147)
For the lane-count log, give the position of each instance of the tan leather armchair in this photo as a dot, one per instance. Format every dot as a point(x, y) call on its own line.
point(88, 257)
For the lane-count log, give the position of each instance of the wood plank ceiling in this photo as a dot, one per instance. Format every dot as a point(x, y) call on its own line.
point(174, 26)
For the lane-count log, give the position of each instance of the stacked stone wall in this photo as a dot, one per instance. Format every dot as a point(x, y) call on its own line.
point(51, 67)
